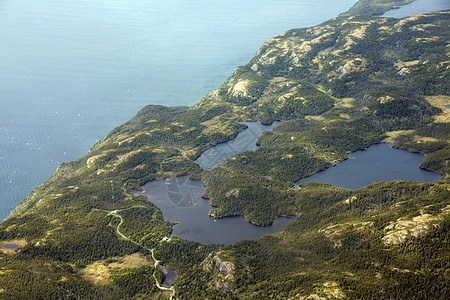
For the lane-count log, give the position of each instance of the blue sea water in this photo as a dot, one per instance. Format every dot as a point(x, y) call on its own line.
point(417, 7)
point(71, 71)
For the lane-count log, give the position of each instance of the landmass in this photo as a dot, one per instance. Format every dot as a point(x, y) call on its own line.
point(337, 87)
point(374, 7)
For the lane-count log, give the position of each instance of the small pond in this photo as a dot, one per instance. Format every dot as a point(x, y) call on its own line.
point(11, 246)
point(417, 7)
point(244, 141)
point(379, 162)
point(447, 106)
point(170, 278)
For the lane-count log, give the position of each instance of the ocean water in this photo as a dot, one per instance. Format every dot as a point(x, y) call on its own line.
point(418, 7)
point(71, 71)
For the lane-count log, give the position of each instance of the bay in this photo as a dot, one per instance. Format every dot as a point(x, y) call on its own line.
point(74, 70)
point(417, 7)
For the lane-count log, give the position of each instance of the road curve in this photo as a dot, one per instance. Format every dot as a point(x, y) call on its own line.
point(152, 251)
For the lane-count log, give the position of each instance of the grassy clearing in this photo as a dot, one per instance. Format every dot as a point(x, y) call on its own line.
point(440, 101)
point(315, 118)
point(99, 272)
point(424, 139)
point(401, 64)
point(393, 135)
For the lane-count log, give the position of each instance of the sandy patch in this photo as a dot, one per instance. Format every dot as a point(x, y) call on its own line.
point(438, 101)
point(344, 116)
point(427, 40)
point(96, 273)
point(424, 139)
point(211, 124)
point(91, 160)
point(126, 140)
point(125, 157)
point(402, 64)
point(359, 33)
point(332, 290)
point(421, 27)
point(240, 88)
point(135, 260)
point(233, 192)
point(333, 232)
point(346, 102)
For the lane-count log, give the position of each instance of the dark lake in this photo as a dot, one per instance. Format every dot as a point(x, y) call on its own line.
point(170, 278)
point(379, 162)
point(11, 246)
point(417, 7)
point(244, 141)
point(180, 201)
